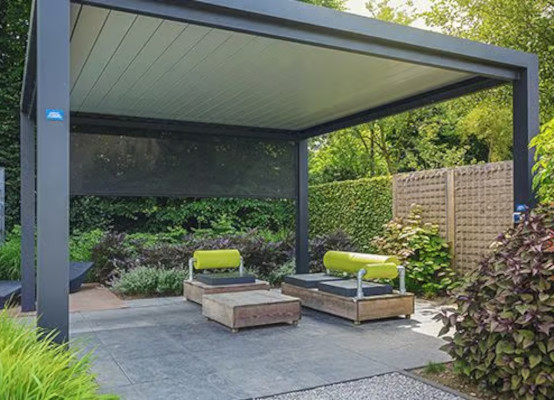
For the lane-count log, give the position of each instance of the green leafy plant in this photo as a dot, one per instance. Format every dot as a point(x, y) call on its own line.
point(504, 317)
point(33, 367)
point(434, 368)
point(82, 244)
point(543, 179)
point(276, 276)
point(150, 281)
point(423, 252)
point(10, 255)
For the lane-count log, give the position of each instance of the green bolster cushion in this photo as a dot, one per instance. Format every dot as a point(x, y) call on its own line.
point(206, 259)
point(381, 271)
point(377, 266)
point(349, 258)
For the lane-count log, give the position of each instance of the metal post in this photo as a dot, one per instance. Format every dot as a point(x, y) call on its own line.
point(526, 126)
point(27, 210)
point(53, 165)
point(302, 216)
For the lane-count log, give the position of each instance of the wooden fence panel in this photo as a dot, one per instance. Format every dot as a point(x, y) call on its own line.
point(471, 205)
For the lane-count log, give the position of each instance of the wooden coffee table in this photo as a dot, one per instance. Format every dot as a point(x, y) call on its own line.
point(252, 308)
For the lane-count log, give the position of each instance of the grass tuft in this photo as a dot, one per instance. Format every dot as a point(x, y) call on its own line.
point(434, 368)
point(33, 369)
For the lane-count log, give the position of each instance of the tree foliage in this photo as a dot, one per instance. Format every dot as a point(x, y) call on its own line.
point(526, 25)
point(13, 41)
point(544, 167)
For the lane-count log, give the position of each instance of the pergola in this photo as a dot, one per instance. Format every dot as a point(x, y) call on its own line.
point(225, 74)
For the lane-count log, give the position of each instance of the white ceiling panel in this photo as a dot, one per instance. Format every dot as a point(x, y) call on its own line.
point(128, 65)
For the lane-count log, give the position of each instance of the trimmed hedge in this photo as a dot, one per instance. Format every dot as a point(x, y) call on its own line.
point(359, 207)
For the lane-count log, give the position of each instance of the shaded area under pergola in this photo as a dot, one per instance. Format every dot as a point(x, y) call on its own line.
point(218, 98)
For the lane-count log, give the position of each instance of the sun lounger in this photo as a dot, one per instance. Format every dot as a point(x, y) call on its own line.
point(210, 282)
point(355, 299)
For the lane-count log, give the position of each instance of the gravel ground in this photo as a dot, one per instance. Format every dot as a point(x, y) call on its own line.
point(393, 386)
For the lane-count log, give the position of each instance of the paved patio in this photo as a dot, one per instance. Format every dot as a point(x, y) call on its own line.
point(165, 349)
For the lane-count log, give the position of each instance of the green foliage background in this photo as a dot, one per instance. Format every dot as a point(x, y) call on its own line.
point(360, 208)
point(13, 42)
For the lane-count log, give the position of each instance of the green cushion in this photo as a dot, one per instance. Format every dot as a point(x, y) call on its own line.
point(377, 266)
point(206, 259)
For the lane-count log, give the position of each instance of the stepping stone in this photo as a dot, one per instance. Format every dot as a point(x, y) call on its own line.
point(349, 288)
point(310, 281)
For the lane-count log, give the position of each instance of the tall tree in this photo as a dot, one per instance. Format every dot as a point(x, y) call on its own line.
point(526, 25)
point(336, 4)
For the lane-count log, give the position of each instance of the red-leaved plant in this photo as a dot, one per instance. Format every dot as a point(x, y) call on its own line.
point(505, 314)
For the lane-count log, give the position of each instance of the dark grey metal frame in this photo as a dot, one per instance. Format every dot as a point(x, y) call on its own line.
point(46, 86)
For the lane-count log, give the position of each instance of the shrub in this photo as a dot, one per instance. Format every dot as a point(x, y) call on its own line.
point(149, 214)
point(543, 179)
point(111, 253)
point(150, 281)
point(359, 208)
point(10, 256)
point(39, 369)
point(263, 253)
point(321, 244)
point(81, 245)
point(276, 276)
point(505, 314)
point(423, 252)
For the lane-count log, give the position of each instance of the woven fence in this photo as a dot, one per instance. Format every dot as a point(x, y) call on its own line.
point(471, 205)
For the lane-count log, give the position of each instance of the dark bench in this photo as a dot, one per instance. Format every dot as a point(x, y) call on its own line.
point(8, 290)
point(77, 275)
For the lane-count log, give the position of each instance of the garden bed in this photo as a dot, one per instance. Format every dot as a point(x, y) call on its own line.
point(445, 375)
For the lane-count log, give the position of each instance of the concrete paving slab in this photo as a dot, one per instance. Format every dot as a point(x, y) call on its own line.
point(165, 349)
point(109, 374)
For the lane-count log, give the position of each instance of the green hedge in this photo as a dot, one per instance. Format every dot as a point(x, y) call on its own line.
point(153, 215)
point(359, 207)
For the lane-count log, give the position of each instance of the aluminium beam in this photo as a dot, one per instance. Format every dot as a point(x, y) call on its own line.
point(302, 213)
point(119, 125)
point(29, 70)
point(526, 126)
point(452, 91)
point(27, 211)
point(317, 26)
point(53, 23)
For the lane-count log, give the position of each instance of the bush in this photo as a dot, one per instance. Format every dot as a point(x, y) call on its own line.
point(149, 214)
point(82, 244)
point(321, 244)
point(543, 179)
point(150, 281)
point(38, 369)
point(277, 276)
point(423, 252)
point(505, 314)
point(359, 208)
point(263, 253)
point(10, 256)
